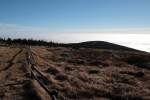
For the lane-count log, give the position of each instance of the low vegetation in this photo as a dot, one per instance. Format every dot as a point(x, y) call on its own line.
point(79, 73)
point(32, 42)
point(98, 74)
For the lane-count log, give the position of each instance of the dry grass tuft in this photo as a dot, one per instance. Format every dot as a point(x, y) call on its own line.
point(52, 70)
point(61, 77)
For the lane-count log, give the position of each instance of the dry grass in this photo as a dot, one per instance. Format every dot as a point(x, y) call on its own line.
point(77, 74)
point(94, 74)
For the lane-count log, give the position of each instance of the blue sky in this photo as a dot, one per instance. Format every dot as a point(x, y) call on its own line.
point(75, 20)
point(64, 14)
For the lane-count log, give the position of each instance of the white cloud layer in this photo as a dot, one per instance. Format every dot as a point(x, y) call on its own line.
point(138, 38)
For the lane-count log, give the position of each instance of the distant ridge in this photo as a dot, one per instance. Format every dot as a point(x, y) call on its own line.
point(87, 44)
point(101, 45)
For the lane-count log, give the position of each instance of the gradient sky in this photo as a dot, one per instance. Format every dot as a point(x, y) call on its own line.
point(60, 14)
point(75, 20)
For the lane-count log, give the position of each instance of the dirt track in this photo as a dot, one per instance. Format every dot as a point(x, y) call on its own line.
point(12, 73)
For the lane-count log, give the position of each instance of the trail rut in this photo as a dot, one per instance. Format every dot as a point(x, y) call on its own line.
point(11, 62)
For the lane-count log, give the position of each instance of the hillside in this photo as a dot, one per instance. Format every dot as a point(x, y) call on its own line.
point(100, 45)
point(84, 71)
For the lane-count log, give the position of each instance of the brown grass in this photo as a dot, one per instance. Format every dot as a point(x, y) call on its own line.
point(94, 74)
point(77, 74)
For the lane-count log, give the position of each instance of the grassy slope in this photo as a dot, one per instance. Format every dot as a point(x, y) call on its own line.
point(89, 70)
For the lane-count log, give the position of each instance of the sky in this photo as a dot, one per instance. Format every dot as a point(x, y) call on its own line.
point(76, 20)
